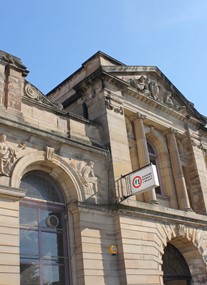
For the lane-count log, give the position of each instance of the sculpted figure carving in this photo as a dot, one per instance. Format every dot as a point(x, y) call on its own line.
point(141, 84)
point(168, 100)
point(7, 156)
point(86, 172)
point(154, 88)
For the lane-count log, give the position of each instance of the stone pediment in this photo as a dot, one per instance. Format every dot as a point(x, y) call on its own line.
point(150, 87)
point(33, 94)
point(152, 83)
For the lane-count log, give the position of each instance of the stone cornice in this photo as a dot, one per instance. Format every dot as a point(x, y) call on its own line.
point(163, 213)
point(13, 61)
point(51, 135)
point(159, 106)
point(14, 193)
point(150, 211)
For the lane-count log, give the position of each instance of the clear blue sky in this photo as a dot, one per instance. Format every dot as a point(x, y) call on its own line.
point(53, 38)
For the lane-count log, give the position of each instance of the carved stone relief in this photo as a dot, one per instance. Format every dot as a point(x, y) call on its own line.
point(8, 156)
point(195, 140)
point(49, 153)
point(35, 94)
point(197, 236)
point(32, 92)
point(155, 90)
point(85, 170)
point(181, 229)
point(114, 103)
point(91, 89)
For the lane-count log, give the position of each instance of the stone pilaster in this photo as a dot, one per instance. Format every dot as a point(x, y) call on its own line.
point(2, 83)
point(142, 150)
point(12, 77)
point(197, 172)
point(181, 189)
point(13, 87)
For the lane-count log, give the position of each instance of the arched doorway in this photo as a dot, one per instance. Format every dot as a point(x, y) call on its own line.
point(175, 268)
point(43, 247)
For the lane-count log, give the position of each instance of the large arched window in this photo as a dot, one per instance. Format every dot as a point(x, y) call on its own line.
point(43, 248)
point(154, 161)
point(175, 268)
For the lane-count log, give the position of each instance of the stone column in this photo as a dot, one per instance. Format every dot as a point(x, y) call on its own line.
point(181, 189)
point(143, 154)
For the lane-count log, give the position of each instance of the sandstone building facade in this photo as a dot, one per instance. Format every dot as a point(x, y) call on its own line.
point(64, 185)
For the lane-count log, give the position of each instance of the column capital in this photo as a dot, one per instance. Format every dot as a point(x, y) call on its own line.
point(139, 116)
point(171, 131)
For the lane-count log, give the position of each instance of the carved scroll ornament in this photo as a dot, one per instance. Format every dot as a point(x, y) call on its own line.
point(115, 104)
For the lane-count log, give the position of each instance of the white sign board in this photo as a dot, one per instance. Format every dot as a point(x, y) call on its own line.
point(144, 179)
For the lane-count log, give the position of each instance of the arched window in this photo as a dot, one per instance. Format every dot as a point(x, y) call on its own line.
point(43, 249)
point(174, 267)
point(154, 161)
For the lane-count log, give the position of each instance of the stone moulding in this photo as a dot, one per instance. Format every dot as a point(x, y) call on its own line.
point(14, 193)
point(37, 160)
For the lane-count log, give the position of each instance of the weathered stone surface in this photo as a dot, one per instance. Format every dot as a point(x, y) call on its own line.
point(87, 134)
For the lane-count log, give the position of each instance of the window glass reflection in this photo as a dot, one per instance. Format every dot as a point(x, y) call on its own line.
point(30, 274)
point(29, 242)
point(52, 244)
point(44, 257)
point(53, 275)
point(28, 216)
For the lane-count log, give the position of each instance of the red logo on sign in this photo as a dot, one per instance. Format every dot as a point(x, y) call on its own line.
point(137, 182)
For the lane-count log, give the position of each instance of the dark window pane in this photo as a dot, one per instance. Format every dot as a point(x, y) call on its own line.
point(28, 216)
point(29, 243)
point(52, 244)
point(29, 274)
point(40, 186)
point(150, 149)
point(53, 275)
